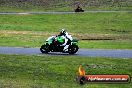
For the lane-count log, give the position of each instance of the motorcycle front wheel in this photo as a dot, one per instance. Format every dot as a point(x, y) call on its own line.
point(73, 49)
point(44, 49)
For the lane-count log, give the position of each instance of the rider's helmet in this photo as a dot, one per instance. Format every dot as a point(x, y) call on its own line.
point(62, 32)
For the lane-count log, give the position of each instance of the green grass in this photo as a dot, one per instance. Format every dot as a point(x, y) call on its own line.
point(32, 30)
point(43, 71)
point(108, 23)
point(106, 44)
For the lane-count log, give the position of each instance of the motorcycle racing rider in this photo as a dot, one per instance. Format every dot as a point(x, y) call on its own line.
point(67, 39)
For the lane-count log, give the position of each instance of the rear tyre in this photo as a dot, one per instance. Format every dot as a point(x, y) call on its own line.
point(73, 49)
point(44, 49)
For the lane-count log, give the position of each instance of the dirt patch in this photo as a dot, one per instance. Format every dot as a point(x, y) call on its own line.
point(119, 31)
point(79, 36)
point(24, 32)
point(102, 36)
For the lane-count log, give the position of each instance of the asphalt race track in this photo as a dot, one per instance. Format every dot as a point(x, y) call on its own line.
point(116, 53)
point(10, 13)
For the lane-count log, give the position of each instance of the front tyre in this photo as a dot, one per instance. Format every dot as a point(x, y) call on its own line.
point(44, 49)
point(73, 49)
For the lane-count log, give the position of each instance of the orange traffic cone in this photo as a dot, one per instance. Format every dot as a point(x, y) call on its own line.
point(81, 71)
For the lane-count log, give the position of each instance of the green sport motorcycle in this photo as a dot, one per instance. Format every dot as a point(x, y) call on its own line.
point(54, 44)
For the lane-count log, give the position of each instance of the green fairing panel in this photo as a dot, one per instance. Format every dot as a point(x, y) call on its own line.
point(50, 41)
point(60, 39)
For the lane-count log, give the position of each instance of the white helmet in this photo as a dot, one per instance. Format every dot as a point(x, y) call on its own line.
point(62, 32)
